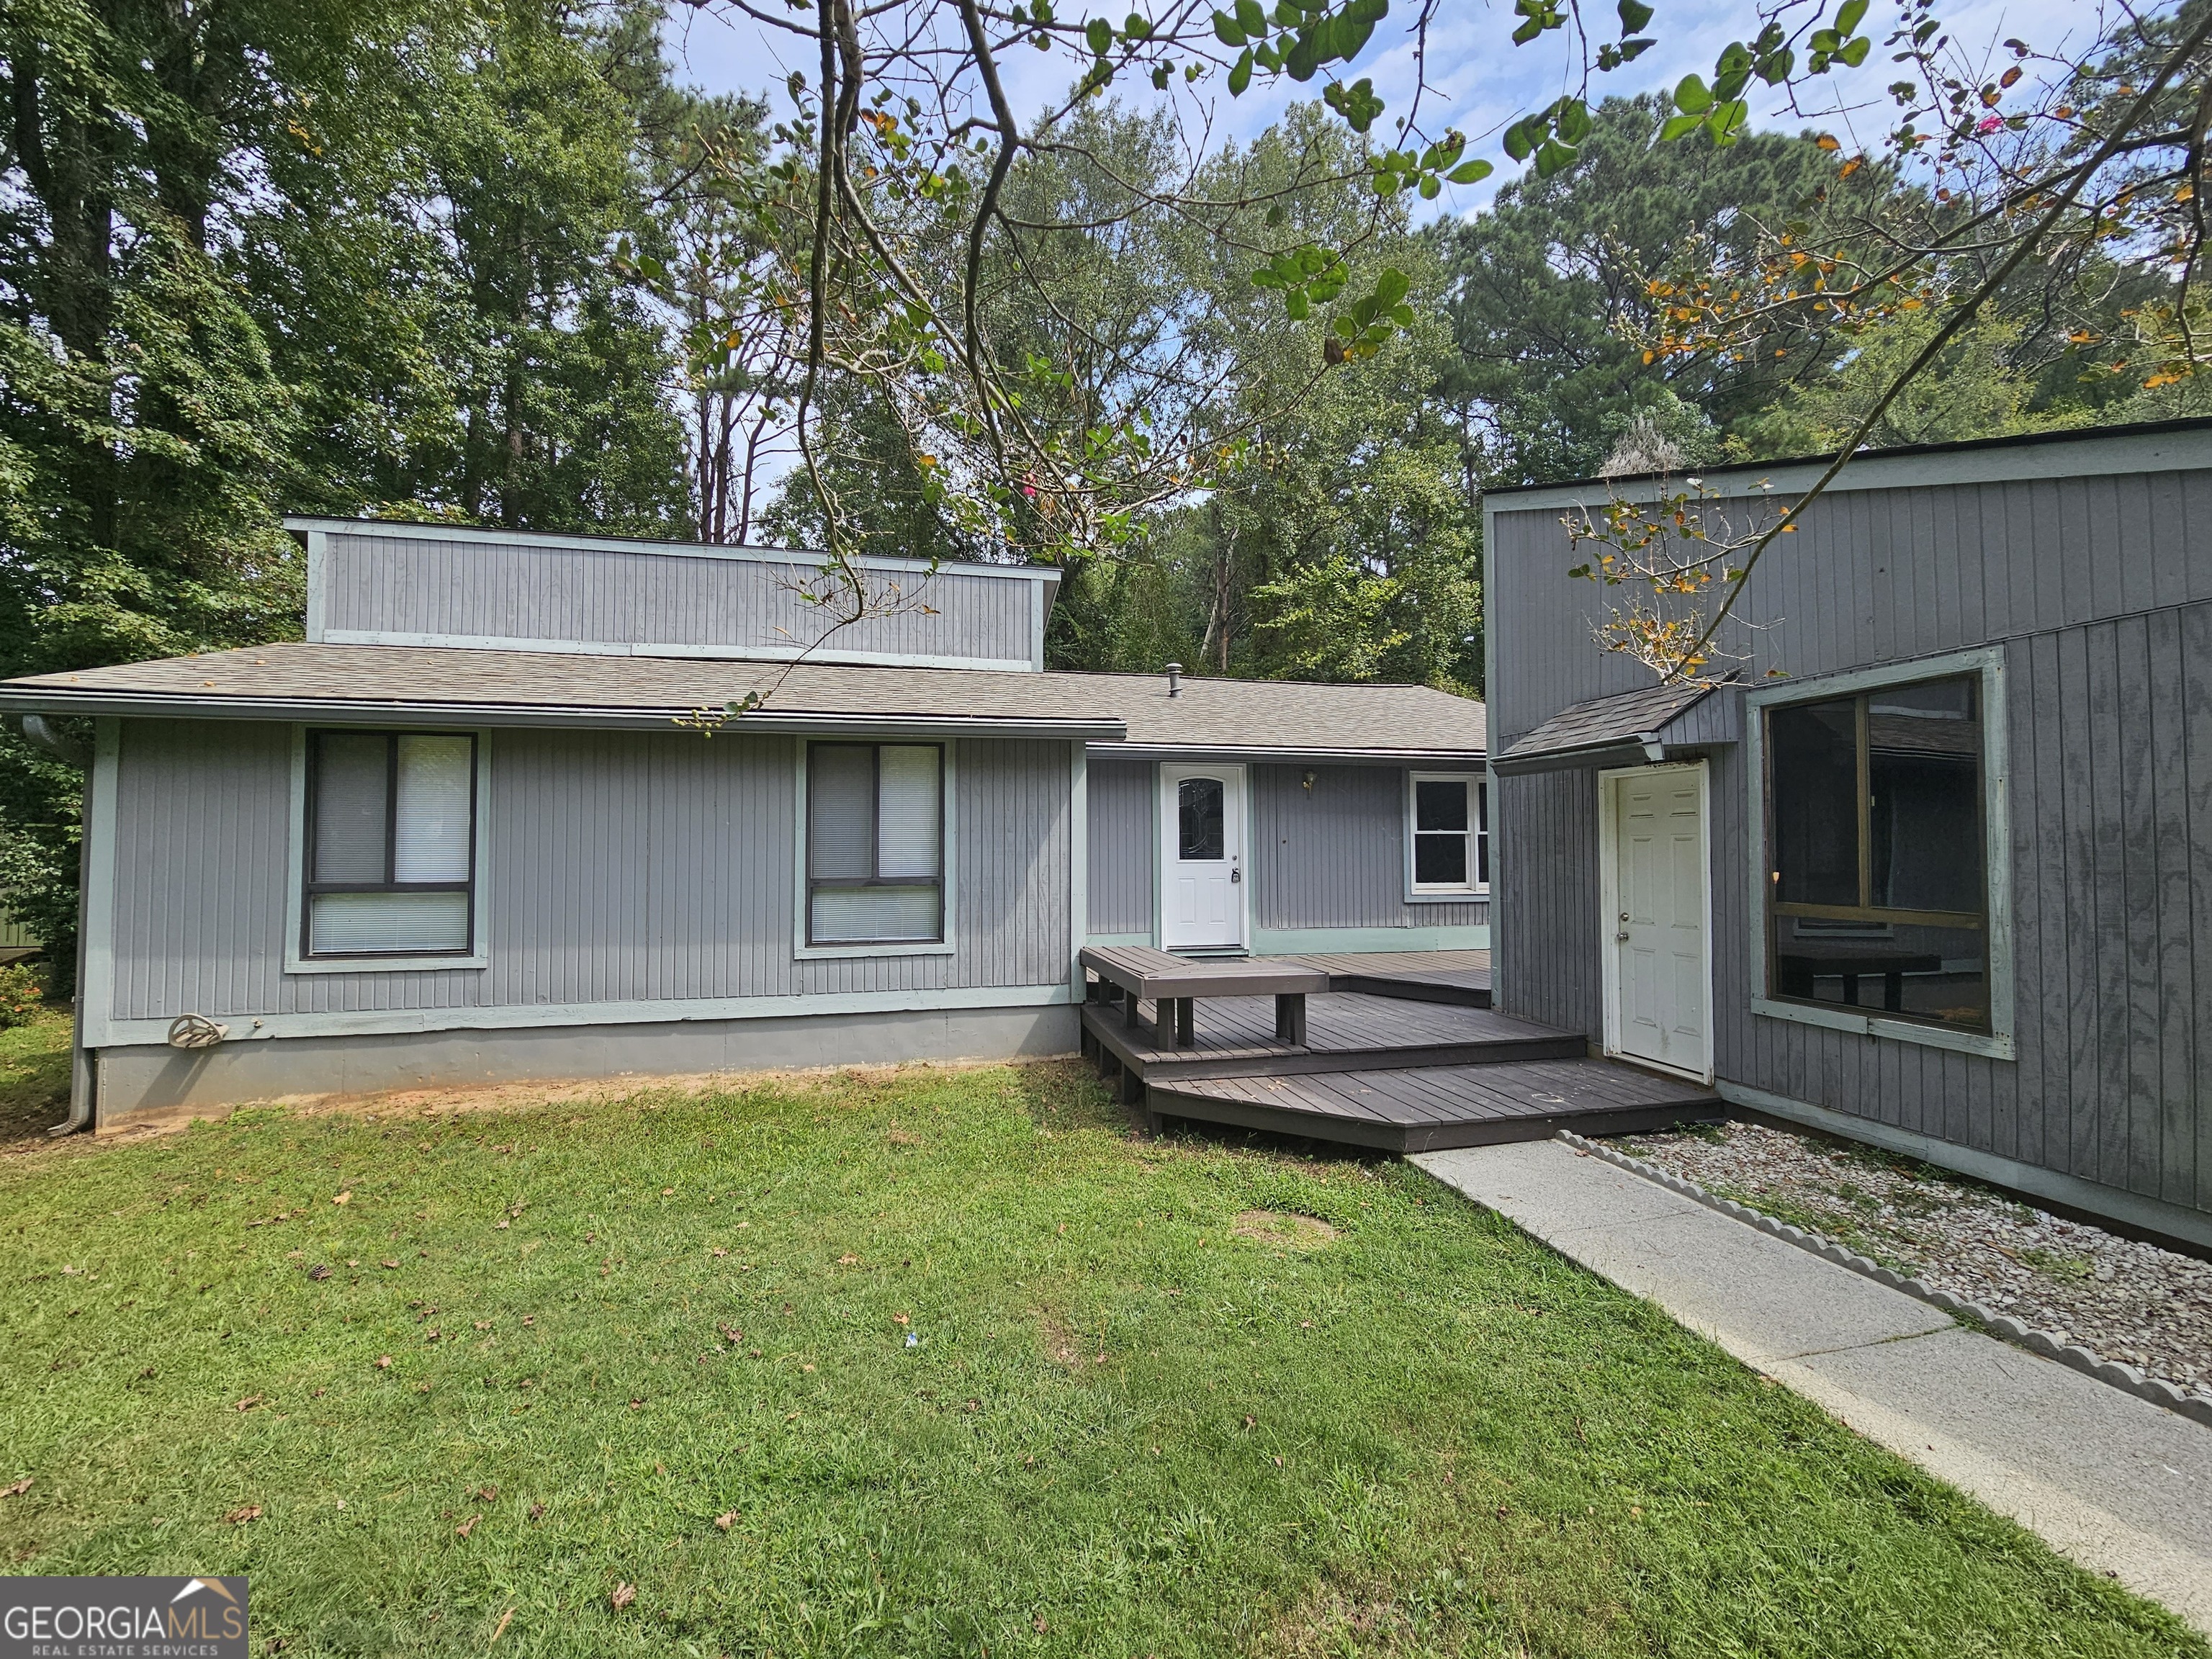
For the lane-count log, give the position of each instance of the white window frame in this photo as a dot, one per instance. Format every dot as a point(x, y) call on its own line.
point(295, 871)
point(1478, 838)
point(804, 951)
point(1988, 662)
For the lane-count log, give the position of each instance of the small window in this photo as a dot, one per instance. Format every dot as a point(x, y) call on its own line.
point(1450, 831)
point(391, 844)
point(1200, 835)
point(875, 843)
point(1878, 886)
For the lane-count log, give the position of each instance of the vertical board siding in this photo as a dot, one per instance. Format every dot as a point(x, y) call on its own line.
point(1120, 844)
point(2109, 771)
point(1334, 855)
point(622, 867)
point(489, 589)
point(1544, 875)
point(1872, 576)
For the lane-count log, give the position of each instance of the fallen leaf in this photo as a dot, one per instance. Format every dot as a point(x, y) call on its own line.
point(249, 1402)
point(484, 1324)
point(1250, 1421)
point(18, 1489)
point(319, 1271)
point(806, 1368)
point(623, 1595)
point(500, 1629)
point(350, 1262)
point(636, 1405)
point(538, 1511)
point(389, 1261)
point(384, 1362)
point(668, 1192)
point(469, 1525)
point(342, 1198)
point(848, 1260)
point(487, 1493)
point(718, 1250)
point(240, 1517)
point(899, 1319)
point(728, 1519)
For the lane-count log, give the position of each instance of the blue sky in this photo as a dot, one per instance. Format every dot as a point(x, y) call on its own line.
point(1478, 78)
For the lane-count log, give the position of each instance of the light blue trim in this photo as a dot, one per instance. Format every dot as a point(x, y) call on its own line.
point(406, 529)
point(948, 806)
point(295, 877)
point(1106, 939)
point(2155, 1215)
point(1079, 860)
point(96, 992)
point(1303, 941)
point(662, 648)
point(1036, 628)
point(385, 1022)
point(1480, 817)
point(1988, 662)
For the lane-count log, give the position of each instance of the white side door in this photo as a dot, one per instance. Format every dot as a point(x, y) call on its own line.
point(1202, 884)
point(1657, 917)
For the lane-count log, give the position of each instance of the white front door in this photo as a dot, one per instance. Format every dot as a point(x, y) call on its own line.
point(1201, 858)
point(1656, 916)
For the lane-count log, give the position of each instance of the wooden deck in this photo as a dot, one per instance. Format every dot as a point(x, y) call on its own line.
point(1426, 1109)
point(1403, 1054)
point(1461, 977)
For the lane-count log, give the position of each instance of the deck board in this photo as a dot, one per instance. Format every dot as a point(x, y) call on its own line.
point(1344, 1029)
point(1458, 976)
point(1422, 1108)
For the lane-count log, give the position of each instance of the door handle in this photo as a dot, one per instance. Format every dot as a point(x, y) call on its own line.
point(1621, 937)
point(1234, 873)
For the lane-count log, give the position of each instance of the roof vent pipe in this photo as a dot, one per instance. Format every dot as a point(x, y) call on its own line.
point(1174, 679)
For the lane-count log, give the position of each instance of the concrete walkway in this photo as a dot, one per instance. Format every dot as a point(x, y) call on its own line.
point(2115, 1483)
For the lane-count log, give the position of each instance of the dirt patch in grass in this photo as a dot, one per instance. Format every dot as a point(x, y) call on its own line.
point(1284, 1230)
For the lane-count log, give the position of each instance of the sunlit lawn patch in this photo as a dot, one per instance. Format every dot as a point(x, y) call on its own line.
point(940, 1363)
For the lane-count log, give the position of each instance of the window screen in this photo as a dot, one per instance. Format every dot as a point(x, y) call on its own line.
point(1451, 835)
point(1878, 892)
point(391, 853)
point(875, 843)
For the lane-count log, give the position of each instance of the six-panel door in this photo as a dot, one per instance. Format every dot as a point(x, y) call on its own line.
point(1656, 946)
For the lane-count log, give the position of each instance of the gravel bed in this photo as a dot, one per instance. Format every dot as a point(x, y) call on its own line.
point(2147, 1307)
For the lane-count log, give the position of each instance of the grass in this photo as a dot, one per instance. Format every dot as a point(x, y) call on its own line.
point(940, 1363)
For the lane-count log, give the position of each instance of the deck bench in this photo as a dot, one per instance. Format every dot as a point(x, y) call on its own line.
point(1175, 983)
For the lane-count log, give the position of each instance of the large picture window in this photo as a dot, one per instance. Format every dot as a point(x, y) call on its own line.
point(1877, 884)
point(390, 859)
point(875, 843)
point(1447, 823)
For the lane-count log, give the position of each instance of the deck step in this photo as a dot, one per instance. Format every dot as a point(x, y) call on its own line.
point(1415, 1109)
point(1234, 1037)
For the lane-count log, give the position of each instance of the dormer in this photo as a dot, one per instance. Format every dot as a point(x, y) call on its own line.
point(382, 582)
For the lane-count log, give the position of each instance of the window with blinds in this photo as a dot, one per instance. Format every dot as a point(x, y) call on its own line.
point(875, 843)
point(391, 853)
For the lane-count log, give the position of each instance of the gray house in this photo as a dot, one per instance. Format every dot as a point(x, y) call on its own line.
point(491, 820)
point(1934, 870)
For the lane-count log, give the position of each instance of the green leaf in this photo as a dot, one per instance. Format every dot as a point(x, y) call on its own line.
point(1634, 14)
point(1690, 97)
point(1240, 74)
point(1574, 120)
point(1774, 69)
point(1305, 56)
point(1402, 315)
point(1431, 187)
point(1346, 328)
point(1134, 28)
point(1727, 120)
point(1160, 73)
point(1100, 33)
point(1251, 19)
point(1848, 15)
point(1294, 302)
point(1680, 126)
point(1552, 158)
point(1225, 30)
point(1517, 141)
point(1855, 52)
point(1391, 287)
point(1469, 173)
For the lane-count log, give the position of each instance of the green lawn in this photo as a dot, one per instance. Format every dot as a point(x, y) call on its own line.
point(1133, 1423)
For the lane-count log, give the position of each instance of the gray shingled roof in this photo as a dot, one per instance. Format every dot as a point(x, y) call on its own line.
point(1607, 722)
point(370, 682)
